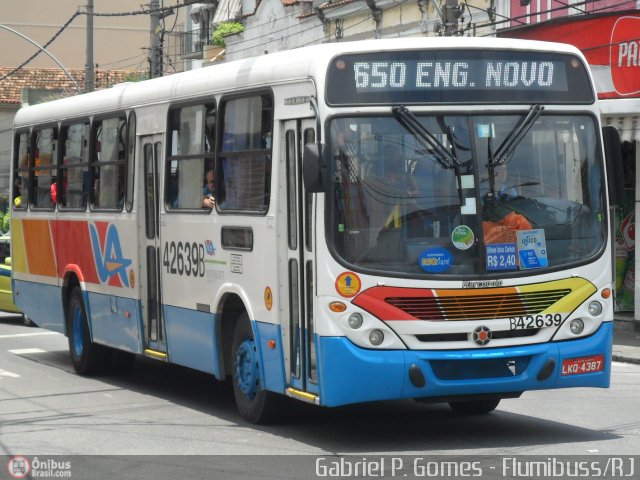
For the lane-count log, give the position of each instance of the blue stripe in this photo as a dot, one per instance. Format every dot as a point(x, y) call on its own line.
point(272, 368)
point(41, 303)
point(113, 321)
point(190, 339)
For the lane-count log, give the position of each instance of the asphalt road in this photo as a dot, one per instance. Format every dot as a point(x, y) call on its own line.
point(45, 408)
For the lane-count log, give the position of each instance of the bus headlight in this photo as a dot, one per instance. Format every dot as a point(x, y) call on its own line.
point(595, 308)
point(576, 326)
point(355, 321)
point(376, 337)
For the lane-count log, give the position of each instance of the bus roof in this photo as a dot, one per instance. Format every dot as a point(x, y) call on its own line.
point(281, 67)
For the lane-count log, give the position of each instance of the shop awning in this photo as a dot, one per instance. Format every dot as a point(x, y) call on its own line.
point(624, 115)
point(627, 126)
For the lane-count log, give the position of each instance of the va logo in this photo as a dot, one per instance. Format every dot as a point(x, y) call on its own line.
point(211, 249)
point(107, 253)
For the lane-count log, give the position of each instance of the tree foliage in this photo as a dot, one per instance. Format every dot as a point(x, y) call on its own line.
point(224, 29)
point(6, 221)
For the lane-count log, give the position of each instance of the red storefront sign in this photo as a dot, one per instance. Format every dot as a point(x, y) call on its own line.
point(610, 42)
point(624, 61)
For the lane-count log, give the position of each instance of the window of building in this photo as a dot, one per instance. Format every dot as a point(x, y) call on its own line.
point(245, 154)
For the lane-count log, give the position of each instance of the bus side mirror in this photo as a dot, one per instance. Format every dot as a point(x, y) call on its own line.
point(314, 167)
point(613, 160)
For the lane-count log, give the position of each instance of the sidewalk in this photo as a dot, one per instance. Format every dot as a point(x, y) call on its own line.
point(626, 338)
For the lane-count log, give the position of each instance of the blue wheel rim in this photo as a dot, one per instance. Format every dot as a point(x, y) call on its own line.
point(247, 371)
point(77, 324)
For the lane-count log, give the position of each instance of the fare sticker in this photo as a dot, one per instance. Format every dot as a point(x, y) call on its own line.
point(348, 284)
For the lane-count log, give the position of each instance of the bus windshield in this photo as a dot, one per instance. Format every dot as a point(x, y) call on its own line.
point(454, 195)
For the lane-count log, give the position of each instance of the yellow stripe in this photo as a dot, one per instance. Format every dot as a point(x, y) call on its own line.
point(18, 253)
point(155, 354)
point(309, 397)
point(581, 289)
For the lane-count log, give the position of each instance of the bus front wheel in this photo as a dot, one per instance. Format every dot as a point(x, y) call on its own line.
point(475, 407)
point(85, 355)
point(255, 404)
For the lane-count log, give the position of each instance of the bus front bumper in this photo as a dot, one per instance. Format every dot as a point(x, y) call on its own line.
point(350, 374)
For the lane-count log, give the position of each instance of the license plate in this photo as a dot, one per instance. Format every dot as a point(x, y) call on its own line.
point(578, 366)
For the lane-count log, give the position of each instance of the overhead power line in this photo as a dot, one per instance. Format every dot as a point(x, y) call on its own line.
point(95, 14)
point(38, 52)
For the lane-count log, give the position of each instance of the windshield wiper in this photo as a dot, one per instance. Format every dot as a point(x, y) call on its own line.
point(444, 156)
point(510, 143)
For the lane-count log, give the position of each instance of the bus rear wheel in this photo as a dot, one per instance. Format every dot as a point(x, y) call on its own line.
point(86, 356)
point(255, 404)
point(475, 407)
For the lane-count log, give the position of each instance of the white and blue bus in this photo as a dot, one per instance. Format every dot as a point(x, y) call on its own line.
point(419, 218)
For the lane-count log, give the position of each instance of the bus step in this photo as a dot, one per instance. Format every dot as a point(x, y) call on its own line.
point(155, 354)
point(305, 396)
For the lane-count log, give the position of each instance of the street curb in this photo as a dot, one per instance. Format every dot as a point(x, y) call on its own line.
point(625, 359)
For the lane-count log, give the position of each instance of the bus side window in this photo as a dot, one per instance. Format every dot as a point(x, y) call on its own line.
point(43, 167)
point(190, 155)
point(244, 177)
point(108, 163)
point(73, 188)
point(20, 193)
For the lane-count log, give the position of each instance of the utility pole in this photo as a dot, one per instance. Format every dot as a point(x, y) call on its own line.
point(155, 52)
point(451, 14)
point(88, 68)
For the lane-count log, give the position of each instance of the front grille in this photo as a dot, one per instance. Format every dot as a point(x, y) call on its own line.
point(479, 307)
point(478, 369)
point(461, 337)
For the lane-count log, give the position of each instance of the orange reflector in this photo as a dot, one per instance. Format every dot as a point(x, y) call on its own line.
point(337, 307)
point(606, 293)
point(271, 344)
point(127, 314)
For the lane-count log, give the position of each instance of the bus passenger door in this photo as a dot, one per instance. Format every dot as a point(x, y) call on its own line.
point(296, 266)
point(149, 245)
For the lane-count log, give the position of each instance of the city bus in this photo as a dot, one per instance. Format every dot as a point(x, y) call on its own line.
point(425, 218)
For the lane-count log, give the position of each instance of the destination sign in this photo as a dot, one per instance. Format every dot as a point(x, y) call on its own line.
point(456, 76)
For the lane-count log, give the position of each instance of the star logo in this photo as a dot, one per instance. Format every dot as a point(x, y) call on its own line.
point(482, 335)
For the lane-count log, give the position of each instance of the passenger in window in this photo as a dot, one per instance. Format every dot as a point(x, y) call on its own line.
point(395, 172)
point(209, 200)
point(17, 196)
point(505, 190)
point(54, 191)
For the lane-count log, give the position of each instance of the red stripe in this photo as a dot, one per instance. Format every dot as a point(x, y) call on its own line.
point(73, 245)
point(373, 300)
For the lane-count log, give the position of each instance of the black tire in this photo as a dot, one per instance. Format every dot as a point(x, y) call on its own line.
point(254, 404)
point(27, 321)
point(475, 407)
point(86, 356)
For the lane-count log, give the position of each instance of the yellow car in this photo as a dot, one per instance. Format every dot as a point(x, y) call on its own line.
point(6, 294)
